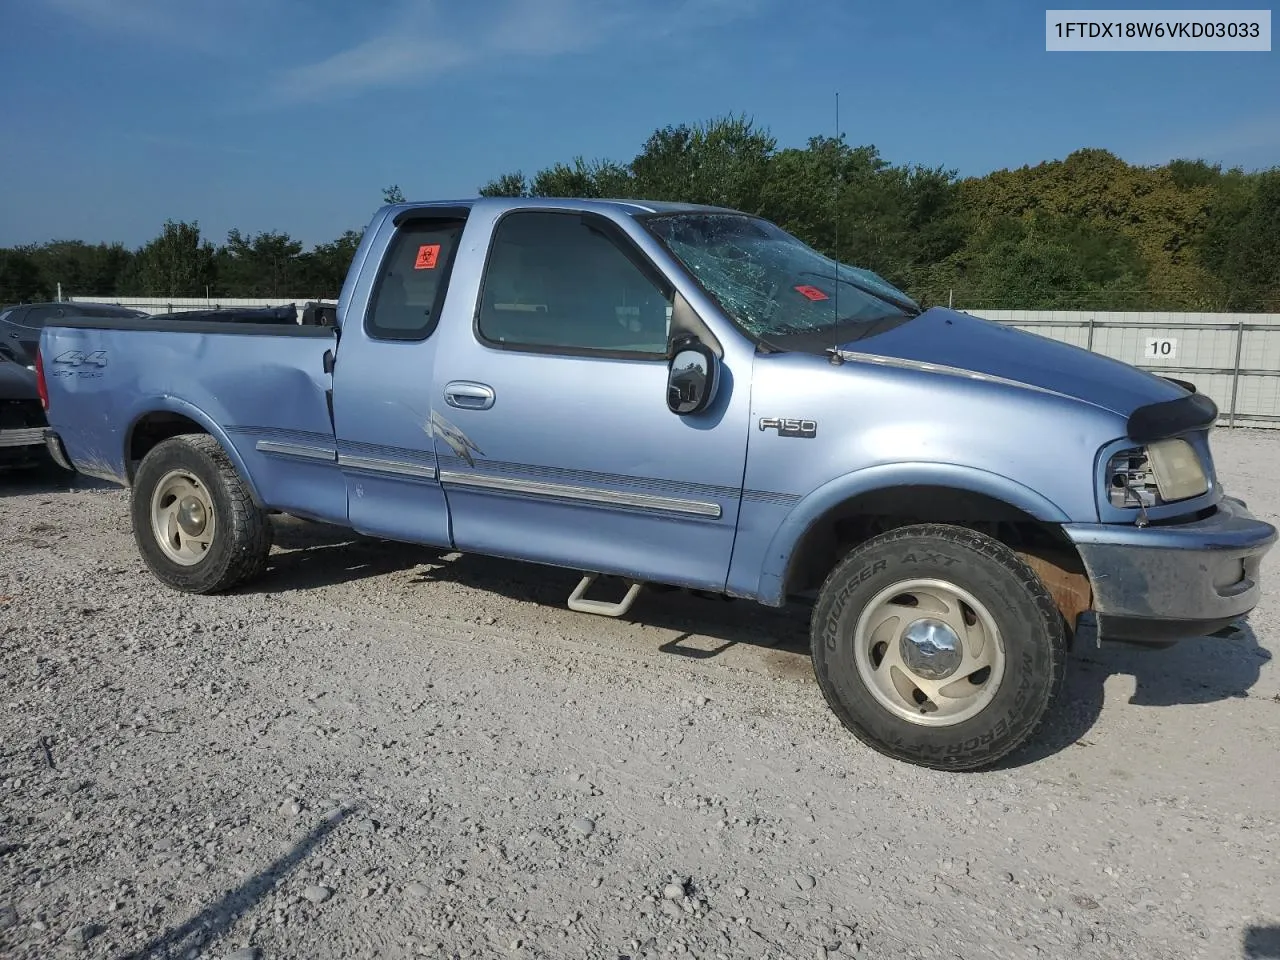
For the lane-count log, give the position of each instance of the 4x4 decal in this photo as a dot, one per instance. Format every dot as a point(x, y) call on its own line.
point(75, 358)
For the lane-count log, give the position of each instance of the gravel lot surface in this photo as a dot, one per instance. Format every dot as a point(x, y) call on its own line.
point(381, 750)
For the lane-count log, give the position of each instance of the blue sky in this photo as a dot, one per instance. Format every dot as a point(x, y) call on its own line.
point(293, 114)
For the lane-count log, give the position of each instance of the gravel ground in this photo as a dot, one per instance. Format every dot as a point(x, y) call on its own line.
point(381, 750)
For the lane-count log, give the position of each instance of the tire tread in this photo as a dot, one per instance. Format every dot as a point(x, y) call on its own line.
point(999, 553)
point(248, 526)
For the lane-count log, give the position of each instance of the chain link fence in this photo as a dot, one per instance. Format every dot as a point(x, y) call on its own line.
point(1234, 358)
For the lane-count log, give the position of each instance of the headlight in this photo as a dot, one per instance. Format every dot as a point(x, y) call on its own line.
point(1162, 472)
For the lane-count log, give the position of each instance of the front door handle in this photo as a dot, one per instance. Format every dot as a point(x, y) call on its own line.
point(467, 395)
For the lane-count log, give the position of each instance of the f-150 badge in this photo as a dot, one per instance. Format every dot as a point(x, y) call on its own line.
point(788, 427)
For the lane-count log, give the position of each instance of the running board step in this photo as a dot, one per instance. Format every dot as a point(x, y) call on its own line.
point(603, 608)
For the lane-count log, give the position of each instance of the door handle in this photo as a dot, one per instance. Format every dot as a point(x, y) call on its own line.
point(468, 395)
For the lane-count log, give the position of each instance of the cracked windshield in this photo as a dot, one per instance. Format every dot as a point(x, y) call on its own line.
point(774, 285)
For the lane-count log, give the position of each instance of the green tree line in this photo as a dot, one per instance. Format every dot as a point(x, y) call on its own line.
point(1087, 232)
point(178, 263)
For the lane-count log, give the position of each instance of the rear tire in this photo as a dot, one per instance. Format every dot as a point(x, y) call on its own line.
point(937, 645)
point(194, 519)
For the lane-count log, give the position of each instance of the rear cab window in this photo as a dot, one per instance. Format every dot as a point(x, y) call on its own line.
point(412, 280)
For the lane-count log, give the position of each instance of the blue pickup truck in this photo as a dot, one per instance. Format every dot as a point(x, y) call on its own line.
point(689, 396)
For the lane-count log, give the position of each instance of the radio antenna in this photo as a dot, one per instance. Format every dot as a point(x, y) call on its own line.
point(835, 231)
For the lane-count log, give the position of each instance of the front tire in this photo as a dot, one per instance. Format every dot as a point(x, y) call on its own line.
point(194, 520)
point(937, 645)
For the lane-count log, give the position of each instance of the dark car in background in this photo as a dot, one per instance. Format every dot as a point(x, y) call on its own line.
point(20, 325)
point(22, 419)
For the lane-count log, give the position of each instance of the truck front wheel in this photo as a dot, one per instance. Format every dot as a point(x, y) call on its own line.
point(937, 645)
point(194, 520)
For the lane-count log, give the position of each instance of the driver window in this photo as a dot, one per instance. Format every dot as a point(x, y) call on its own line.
point(556, 281)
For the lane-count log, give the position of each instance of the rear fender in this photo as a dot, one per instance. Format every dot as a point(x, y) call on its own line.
point(194, 413)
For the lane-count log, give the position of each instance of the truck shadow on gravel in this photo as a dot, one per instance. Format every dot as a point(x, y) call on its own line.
point(217, 919)
point(317, 555)
point(1262, 943)
point(1204, 670)
point(45, 478)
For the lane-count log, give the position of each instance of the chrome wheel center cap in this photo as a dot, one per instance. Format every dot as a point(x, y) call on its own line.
point(191, 516)
point(931, 649)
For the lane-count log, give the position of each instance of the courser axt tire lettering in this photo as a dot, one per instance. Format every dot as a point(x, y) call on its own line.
point(938, 645)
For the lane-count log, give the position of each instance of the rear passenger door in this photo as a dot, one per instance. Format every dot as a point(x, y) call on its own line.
point(382, 393)
point(553, 436)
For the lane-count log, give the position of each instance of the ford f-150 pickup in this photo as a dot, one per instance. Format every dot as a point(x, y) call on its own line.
point(689, 396)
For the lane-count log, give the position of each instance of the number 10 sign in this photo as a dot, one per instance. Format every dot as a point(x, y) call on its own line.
point(1161, 348)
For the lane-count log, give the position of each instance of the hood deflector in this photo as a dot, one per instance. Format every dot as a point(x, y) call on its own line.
point(1157, 421)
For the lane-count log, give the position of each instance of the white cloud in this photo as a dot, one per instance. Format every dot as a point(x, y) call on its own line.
point(542, 28)
point(406, 41)
point(426, 39)
point(381, 61)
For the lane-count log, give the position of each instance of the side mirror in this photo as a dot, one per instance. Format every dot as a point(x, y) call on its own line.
point(691, 378)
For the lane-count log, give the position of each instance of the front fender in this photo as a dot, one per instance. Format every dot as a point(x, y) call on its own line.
point(170, 404)
point(812, 508)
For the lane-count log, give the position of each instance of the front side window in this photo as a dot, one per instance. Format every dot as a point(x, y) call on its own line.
point(561, 281)
point(411, 283)
point(776, 287)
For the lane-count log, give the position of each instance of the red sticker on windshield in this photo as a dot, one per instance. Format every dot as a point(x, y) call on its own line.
point(813, 293)
point(428, 253)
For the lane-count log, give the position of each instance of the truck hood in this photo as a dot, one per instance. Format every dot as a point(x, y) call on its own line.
point(966, 343)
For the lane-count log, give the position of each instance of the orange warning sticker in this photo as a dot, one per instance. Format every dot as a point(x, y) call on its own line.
point(428, 254)
point(813, 293)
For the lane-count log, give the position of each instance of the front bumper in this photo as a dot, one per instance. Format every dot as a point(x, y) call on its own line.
point(1169, 582)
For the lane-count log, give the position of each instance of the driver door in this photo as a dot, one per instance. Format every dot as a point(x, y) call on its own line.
point(553, 433)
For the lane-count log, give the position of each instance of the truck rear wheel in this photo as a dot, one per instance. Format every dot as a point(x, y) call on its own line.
point(194, 520)
point(937, 645)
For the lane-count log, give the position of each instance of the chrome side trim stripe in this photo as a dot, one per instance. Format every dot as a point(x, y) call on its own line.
point(942, 368)
point(611, 498)
point(379, 465)
point(537, 488)
point(305, 451)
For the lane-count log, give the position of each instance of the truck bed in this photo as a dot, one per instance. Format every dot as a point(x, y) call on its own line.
point(256, 387)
